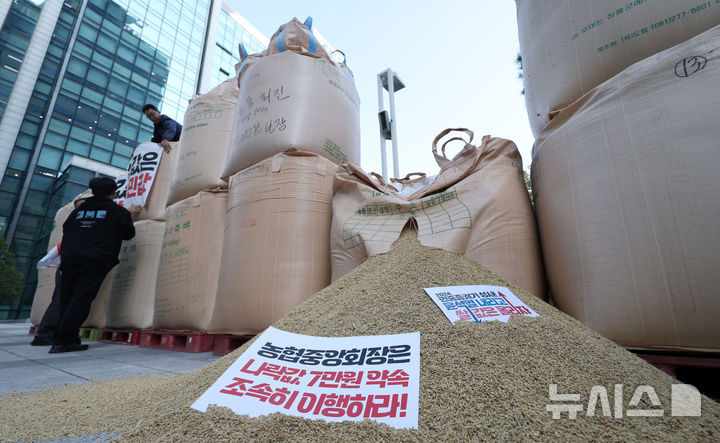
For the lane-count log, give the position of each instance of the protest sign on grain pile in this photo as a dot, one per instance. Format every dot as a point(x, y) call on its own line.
point(477, 381)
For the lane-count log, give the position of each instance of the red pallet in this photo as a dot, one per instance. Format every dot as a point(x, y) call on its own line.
point(177, 341)
point(33, 330)
point(130, 337)
point(670, 363)
point(699, 370)
point(224, 344)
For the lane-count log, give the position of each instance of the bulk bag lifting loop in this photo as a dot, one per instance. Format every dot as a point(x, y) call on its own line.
point(442, 160)
point(343, 63)
point(407, 181)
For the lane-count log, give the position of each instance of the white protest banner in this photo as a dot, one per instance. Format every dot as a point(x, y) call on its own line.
point(331, 378)
point(478, 303)
point(141, 173)
point(121, 191)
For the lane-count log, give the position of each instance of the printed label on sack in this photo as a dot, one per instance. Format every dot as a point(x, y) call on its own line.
point(478, 303)
point(329, 378)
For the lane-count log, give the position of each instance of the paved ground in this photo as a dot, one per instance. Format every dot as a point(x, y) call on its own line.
point(26, 368)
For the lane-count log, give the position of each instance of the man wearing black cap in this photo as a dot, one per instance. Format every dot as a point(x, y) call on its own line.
point(92, 236)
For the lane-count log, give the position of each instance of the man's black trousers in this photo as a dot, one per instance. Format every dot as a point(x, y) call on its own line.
point(80, 284)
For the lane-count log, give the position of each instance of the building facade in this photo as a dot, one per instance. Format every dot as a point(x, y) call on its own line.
point(74, 75)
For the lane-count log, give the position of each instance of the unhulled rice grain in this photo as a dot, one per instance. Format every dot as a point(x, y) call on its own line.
point(477, 382)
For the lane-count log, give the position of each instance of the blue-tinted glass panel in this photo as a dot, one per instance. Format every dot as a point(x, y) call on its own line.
point(50, 158)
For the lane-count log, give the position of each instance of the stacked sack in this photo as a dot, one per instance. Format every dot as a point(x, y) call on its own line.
point(477, 205)
point(296, 119)
point(276, 251)
point(132, 293)
point(195, 213)
point(569, 47)
point(623, 169)
point(295, 96)
point(205, 142)
point(190, 262)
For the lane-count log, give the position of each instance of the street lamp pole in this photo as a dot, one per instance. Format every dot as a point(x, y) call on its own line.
point(389, 81)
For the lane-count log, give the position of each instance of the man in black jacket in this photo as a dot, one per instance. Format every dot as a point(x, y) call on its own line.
point(165, 129)
point(92, 236)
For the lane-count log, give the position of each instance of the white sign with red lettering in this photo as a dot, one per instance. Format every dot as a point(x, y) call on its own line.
point(478, 303)
point(141, 173)
point(331, 378)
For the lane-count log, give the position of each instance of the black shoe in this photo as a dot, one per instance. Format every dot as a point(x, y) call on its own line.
point(41, 341)
point(57, 349)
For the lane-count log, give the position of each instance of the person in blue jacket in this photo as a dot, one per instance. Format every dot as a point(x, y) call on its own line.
point(166, 129)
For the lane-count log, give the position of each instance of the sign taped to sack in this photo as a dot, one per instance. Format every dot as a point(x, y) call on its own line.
point(329, 378)
point(478, 303)
point(141, 174)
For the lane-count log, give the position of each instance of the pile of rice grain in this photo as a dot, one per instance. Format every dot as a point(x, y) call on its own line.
point(477, 381)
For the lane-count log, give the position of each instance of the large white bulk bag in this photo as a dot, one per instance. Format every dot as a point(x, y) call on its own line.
point(132, 292)
point(203, 147)
point(190, 262)
point(570, 46)
point(292, 100)
point(276, 251)
point(628, 203)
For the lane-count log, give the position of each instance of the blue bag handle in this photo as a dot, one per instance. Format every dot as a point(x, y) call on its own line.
point(243, 57)
point(344, 63)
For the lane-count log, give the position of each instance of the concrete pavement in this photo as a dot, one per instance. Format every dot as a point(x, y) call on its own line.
point(25, 368)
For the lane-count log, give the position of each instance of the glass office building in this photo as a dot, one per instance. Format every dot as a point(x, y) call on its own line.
point(233, 30)
point(74, 75)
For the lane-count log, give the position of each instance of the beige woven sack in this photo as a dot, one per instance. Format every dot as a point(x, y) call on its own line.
point(132, 293)
point(626, 192)
point(289, 100)
point(206, 137)
point(477, 205)
point(276, 251)
point(190, 262)
point(570, 46)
